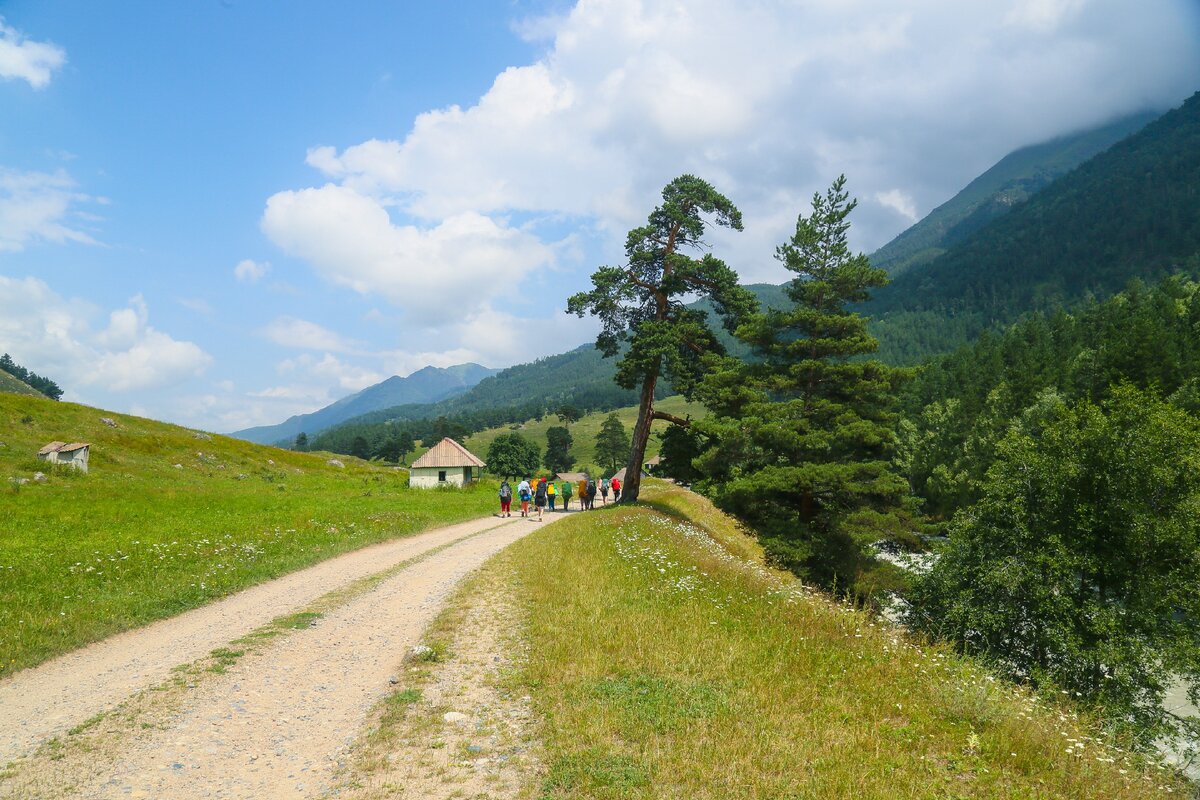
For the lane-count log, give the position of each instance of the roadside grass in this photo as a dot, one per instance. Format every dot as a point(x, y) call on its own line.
point(137, 539)
point(664, 663)
point(584, 432)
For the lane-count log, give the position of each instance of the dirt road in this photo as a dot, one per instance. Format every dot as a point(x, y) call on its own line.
point(276, 723)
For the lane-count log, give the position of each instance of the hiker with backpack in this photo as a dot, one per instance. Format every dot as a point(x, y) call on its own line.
point(551, 493)
point(581, 486)
point(539, 497)
point(591, 494)
point(603, 491)
point(505, 499)
point(616, 487)
point(524, 493)
point(565, 491)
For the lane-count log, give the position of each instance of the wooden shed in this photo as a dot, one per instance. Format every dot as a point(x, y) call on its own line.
point(447, 462)
point(74, 454)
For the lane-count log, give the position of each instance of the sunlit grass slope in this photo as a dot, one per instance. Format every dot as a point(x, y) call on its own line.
point(585, 430)
point(140, 538)
point(667, 661)
point(14, 386)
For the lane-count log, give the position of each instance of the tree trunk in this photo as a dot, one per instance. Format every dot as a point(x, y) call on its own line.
point(641, 435)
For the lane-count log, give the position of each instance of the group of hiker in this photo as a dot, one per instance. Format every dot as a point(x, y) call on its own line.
point(543, 492)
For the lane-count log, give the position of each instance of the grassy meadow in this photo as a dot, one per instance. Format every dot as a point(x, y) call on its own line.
point(169, 519)
point(667, 661)
point(584, 431)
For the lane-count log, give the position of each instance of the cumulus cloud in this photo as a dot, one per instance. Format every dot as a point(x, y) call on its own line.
point(55, 336)
point(37, 206)
point(305, 335)
point(249, 271)
point(430, 272)
point(769, 101)
point(27, 60)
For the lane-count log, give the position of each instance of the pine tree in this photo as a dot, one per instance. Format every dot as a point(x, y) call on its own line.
point(612, 444)
point(803, 436)
point(641, 304)
point(301, 441)
point(558, 449)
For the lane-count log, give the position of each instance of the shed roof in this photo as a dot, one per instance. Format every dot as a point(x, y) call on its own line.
point(62, 447)
point(53, 447)
point(448, 453)
point(572, 477)
point(68, 448)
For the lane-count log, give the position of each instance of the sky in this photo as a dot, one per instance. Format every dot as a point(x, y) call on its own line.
point(221, 213)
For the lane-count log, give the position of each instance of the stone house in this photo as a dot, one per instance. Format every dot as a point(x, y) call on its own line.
point(447, 462)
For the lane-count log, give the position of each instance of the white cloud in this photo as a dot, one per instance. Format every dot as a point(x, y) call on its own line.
point(249, 271)
point(305, 335)
point(27, 60)
point(430, 273)
point(36, 205)
point(54, 336)
point(766, 100)
point(900, 202)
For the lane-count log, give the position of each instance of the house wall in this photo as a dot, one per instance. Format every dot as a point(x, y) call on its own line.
point(427, 477)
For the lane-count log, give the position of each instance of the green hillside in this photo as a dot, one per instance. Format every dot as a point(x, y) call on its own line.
point(11, 385)
point(1132, 211)
point(1012, 180)
point(667, 660)
point(168, 519)
point(585, 430)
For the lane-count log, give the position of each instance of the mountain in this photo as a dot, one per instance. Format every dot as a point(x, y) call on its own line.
point(426, 385)
point(1132, 211)
point(1012, 180)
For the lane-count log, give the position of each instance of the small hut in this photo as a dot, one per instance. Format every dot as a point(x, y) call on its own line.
point(447, 462)
point(74, 454)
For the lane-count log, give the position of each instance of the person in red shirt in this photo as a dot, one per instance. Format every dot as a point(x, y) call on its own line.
point(616, 487)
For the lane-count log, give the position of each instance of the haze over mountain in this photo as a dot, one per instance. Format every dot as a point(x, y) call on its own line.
point(1014, 179)
point(1132, 211)
point(427, 385)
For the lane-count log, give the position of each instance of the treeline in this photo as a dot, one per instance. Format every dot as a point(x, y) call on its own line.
point(44, 385)
point(958, 405)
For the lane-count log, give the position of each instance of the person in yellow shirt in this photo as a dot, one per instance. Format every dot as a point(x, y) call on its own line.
point(551, 493)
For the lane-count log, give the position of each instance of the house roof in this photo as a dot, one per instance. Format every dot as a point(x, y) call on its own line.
point(62, 447)
point(654, 462)
point(572, 477)
point(448, 453)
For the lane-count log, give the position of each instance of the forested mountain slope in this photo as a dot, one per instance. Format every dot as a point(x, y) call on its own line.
point(1012, 180)
point(1132, 211)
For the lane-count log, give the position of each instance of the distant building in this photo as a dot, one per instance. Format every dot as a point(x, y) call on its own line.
point(447, 462)
point(75, 454)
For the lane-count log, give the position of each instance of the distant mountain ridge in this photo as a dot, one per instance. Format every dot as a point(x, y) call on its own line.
point(426, 385)
point(1010, 181)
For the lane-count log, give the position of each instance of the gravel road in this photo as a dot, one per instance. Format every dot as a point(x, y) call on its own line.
point(275, 724)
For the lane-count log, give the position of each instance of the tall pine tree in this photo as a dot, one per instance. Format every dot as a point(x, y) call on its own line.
point(641, 304)
point(803, 436)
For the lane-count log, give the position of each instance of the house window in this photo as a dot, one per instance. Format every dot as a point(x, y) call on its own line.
point(441, 476)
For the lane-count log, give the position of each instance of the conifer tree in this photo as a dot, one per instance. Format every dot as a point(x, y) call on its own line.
point(641, 304)
point(803, 436)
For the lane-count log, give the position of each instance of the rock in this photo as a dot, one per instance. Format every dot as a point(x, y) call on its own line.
point(19, 481)
point(455, 717)
point(333, 462)
point(473, 749)
point(271, 461)
point(179, 466)
point(393, 680)
point(241, 476)
point(201, 435)
point(109, 421)
point(40, 477)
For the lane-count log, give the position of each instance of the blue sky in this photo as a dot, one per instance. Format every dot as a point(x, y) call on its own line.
point(224, 213)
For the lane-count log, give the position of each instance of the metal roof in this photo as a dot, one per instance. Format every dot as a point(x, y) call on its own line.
point(448, 453)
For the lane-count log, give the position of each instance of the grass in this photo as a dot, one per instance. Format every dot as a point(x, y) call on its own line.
point(139, 538)
point(667, 661)
point(585, 430)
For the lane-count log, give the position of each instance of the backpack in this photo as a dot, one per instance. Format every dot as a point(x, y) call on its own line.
point(505, 491)
point(541, 491)
point(591, 487)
